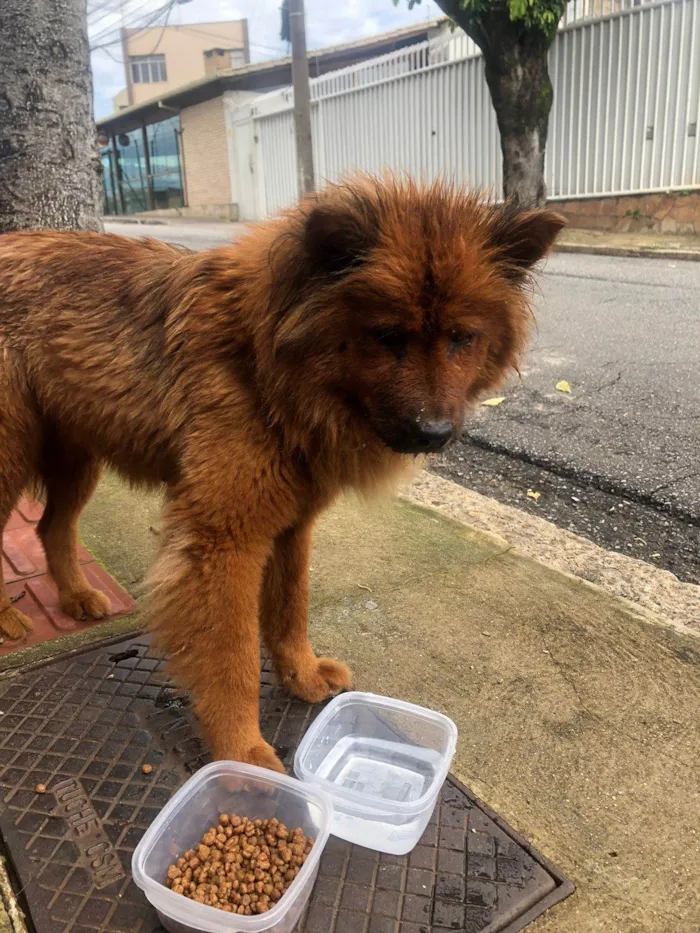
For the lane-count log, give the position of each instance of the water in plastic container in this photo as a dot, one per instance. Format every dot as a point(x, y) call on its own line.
point(383, 763)
point(380, 769)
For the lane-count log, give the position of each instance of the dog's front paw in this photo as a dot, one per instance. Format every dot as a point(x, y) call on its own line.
point(316, 679)
point(85, 604)
point(264, 756)
point(13, 623)
point(260, 754)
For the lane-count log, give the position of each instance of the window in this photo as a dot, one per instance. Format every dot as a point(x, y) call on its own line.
point(138, 181)
point(148, 69)
point(164, 151)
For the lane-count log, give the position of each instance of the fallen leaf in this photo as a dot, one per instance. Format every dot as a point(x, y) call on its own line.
point(492, 402)
point(563, 386)
point(532, 494)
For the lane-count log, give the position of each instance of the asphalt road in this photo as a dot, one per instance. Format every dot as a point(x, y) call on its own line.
point(617, 459)
point(625, 333)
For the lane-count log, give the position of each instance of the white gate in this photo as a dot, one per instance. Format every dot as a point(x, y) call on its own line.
point(624, 121)
point(243, 168)
point(626, 100)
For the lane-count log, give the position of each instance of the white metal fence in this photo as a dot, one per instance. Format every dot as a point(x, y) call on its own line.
point(625, 115)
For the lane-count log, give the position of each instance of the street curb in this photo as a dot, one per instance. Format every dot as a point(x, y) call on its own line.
point(10, 911)
point(159, 221)
point(640, 252)
point(134, 220)
point(651, 593)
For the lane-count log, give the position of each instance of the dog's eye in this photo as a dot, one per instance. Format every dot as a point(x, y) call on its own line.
point(459, 340)
point(392, 339)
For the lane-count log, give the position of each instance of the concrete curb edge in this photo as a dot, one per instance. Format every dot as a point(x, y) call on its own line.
point(638, 252)
point(465, 507)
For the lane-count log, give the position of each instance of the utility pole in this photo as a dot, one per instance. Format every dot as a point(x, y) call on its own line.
point(125, 56)
point(302, 98)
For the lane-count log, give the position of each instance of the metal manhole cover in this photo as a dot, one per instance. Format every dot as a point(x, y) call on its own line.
point(84, 726)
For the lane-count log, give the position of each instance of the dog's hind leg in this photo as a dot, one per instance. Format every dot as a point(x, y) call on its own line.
point(19, 434)
point(283, 621)
point(70, 475)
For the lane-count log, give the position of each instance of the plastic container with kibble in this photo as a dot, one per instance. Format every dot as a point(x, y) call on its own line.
point(229, 787)
point(382, 762)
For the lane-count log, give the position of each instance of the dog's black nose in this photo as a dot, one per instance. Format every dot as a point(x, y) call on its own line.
point(433, 435)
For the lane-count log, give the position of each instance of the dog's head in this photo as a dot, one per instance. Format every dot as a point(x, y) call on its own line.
point(401, 304)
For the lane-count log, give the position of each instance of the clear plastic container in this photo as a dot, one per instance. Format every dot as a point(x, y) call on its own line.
point(382, 762)
point(229, 787)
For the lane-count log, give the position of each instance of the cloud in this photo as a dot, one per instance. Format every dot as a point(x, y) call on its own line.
point(326, 24)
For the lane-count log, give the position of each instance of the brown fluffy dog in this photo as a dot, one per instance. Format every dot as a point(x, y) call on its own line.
point(320, 351)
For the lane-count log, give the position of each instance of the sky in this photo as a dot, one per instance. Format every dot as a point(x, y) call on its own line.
point(327, 23)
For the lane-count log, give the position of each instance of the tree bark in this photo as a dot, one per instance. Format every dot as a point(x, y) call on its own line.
point(517, 74)
point(521, 90)
point(49, 166)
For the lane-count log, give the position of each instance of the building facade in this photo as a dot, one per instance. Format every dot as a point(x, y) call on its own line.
point(174, 150)
point(161, 59)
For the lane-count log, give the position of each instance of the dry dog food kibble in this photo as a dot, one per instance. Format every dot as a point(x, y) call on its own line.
point(241, 866)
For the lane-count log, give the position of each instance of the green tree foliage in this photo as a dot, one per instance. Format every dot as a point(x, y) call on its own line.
point(543, 15)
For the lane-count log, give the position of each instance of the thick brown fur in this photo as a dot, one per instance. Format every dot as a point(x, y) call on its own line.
point(256, 381)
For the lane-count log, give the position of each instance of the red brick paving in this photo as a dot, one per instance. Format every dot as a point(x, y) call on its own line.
point(24, 570)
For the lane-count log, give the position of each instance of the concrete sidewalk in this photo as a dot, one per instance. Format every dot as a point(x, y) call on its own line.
point(648, 245)
point(577, 713)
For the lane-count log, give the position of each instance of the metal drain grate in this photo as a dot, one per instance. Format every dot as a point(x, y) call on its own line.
point(84, 726)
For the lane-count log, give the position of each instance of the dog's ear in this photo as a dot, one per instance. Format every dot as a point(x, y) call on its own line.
point(522, 238)
point(337, 239)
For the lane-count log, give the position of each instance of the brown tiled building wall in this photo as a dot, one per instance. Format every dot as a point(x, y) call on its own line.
point(668, 212)
point(206, 156)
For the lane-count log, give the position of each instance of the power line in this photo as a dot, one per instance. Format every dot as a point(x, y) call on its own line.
point(107, 30)
point(212, 35)
point(197, 30)
point(119, 61)
point(110, 6)
point(134, 18)
point(117, 11)
point(140, 28)
point(162, 32)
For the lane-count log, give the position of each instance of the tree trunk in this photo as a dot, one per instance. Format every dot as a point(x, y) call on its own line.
point(517, 73)
point(49, 166)
point(521, 92)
